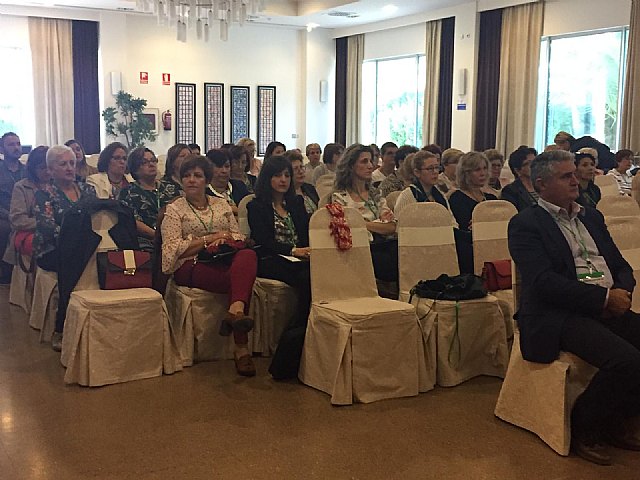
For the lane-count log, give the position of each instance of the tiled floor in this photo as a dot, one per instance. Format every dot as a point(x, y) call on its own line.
point(207, 423)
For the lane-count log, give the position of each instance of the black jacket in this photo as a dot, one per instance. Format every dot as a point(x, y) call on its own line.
point(550, 290)
point(238, 191)
point(311, 192)
point(517, 194)
point(77, 242)
point(260, 216)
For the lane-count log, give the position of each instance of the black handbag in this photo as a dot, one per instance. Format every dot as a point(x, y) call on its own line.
point(459, 287)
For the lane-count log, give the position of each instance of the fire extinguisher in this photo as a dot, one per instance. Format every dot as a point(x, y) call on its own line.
point(166, 120)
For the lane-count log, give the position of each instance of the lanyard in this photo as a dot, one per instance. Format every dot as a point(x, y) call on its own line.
point(370, 204)
point(580, 241)
point(210, 229)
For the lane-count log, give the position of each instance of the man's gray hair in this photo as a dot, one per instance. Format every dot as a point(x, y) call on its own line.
point(542, 165)
point(56, 152)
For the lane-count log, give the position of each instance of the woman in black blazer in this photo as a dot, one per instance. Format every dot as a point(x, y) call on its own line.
point(280, 225)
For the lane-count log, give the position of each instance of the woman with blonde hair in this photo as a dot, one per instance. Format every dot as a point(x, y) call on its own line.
point(254, 163)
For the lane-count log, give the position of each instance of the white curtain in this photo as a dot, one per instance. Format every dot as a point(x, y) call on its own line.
point(519, 60)
point(630, 135)
point(355, 57)
point(51, 55)
point(431, 88)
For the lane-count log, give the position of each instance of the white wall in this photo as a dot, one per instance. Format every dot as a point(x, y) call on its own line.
point(569, 16)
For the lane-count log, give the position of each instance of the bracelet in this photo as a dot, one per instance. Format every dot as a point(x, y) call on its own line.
point(204, 241)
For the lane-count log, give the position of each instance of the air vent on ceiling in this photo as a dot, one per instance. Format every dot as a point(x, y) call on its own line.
point(339, 13)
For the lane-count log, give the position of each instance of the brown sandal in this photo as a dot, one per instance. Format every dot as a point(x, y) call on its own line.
point(245, 366)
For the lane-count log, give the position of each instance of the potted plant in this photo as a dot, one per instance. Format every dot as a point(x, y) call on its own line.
point(126, 119)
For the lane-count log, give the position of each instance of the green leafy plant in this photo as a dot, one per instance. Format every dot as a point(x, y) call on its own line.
point(126, 120)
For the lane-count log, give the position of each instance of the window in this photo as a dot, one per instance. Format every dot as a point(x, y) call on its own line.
point(392, 100)
point(581, 86)
point(16, 80)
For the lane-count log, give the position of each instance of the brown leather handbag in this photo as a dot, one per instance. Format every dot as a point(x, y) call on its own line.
point(122, 269)
point(496, 275)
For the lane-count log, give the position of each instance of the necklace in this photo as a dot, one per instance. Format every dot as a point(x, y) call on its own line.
point(208, 229)
point(370, 204)
point(475, 198)
point(75, 190)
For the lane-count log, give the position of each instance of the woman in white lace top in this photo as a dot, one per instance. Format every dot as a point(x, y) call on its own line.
point(196, 223)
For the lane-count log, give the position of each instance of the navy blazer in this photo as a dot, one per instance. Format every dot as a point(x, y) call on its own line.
point(550, 290)
point(517, 194)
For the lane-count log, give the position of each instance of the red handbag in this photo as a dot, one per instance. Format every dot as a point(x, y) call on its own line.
point(24, 242)
point(496, 275)
point(122, 269)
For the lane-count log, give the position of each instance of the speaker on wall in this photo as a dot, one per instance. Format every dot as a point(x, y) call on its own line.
point(324, 91)
point(462, 82)
point(116, 82)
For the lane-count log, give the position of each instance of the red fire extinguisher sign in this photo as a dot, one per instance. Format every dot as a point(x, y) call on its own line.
point(166, 79)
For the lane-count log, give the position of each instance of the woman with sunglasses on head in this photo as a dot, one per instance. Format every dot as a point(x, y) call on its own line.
point(305, 190)
point(222, 185)
point(146, 195)
point(83, 169)
point(112, 176)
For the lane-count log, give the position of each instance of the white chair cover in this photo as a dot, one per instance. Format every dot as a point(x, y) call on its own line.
point(324, 185)
point(392, 198)
point(358, 346)
point(490, 220)
point(45, 303)
point(608, 185)
point(195, 317)
point(539, 397)
point(114, 336)
point(21, 288)
point(426, 250)
point(243, 221)
point(273, 305)
point(618, 206)
point(625, 232)
point(324, 200)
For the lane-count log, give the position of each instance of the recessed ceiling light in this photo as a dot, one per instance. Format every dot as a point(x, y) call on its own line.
point(389, 9)
point(311, 26)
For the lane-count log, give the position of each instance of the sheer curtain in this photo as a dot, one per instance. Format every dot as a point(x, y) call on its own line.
point(630, 135)
point(432, 85)
point(519, 60)
point(355, 57)
point(51, 55)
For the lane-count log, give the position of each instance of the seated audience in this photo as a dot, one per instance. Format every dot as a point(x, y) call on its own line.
point(305, 190)
point(388, 165)
point(276, 149)
point(400, 178)
point(51, 204)
point(22, 216)
point(624, 160)
point(112, 176)
point(175, 157)
point(239, 159)
point(576, 297)
point(194, 148)
point(496, 162)
point(330, 159)
point(280, 225)
point(11, 171)
point(146, 195)
point(424, 167)
point(376, 155)
point(83, 169)
point(351, 189)
point(222, 186)
point(447, 182)
point(566, 141)
point(521, 192)
point(254, 162)
point(589, 195)
point(313, 152)
point(435, 149)
point(193, 224)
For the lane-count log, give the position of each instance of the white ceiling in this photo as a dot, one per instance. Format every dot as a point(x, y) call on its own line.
point(285, 12)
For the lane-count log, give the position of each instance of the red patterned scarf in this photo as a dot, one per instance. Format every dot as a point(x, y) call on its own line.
point(340, 230)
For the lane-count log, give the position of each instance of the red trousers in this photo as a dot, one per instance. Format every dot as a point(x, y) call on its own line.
point(235, 279)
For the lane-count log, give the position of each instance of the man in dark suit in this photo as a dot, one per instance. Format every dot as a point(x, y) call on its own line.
point(576, 296)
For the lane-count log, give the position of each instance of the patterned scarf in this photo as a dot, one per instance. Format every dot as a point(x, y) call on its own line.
point(340, 230)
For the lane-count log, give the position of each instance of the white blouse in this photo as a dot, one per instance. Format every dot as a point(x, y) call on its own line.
point(182, 223)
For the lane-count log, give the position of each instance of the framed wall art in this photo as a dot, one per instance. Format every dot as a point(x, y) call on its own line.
point(239, 113)
point(266, 117)
point(185, 113)
point(213, 115)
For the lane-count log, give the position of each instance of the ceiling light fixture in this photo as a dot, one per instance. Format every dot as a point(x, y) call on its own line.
point(311, 26)
point(389, 9)
point(200, 14)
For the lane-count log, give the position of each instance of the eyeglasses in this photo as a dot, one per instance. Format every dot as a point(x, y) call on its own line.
point(300, 168)
point(153, 161)
point(119, 158)
point(429, 169)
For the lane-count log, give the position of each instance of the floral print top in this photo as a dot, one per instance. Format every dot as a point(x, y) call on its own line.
point(147, 203)
point(51, 205)
point(371, 210)
point(182, 223)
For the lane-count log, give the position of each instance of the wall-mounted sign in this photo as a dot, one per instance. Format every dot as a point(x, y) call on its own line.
point(166, 79)
point(144, 77)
